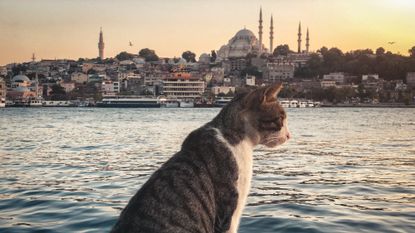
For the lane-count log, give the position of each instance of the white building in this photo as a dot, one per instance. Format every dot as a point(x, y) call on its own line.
point(222, 89)
point(339, 78)
point(110, 88)
point(183, 86)
point(278, 71)
point(250, 80)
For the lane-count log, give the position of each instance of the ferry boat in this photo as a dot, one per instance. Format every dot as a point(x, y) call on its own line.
point(186, 103)
point(35, 102)
point(57, 103)
point(169, 103)
point(129, 102)
point(2, 102)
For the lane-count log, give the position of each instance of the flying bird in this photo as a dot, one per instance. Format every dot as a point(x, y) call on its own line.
point(131, 44)
point(391, 42)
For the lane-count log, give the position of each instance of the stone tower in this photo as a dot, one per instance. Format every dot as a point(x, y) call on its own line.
point(307, 45)
point(101, 45)
point(299, 38)
point(271, 36)
point(260, 31)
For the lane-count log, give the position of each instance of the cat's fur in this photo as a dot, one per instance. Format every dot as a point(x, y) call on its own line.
point(203, 188)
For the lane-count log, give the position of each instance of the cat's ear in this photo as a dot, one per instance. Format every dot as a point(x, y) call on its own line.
point(270, 94)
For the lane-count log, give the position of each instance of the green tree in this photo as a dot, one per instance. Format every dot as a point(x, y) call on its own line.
point(380, 51)
point(282, 50)
point(124, 56)
point(57, 93)
point(213, 56)
point(412, 52)
point(148, 54)
point(189, 56)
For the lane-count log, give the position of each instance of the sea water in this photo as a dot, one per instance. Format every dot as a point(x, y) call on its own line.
point(74, 169)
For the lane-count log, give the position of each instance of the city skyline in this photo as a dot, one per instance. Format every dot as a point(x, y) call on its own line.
point(70, 29)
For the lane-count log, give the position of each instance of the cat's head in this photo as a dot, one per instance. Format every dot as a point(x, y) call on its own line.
point(265, 120)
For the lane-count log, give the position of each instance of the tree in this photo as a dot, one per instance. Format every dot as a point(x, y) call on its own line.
point(213, 56)
point(189, 56)
point(148, 54)
point(57, 93)
point(124, 56)
point(412, 52)
point(380, 51)
point(282, 50)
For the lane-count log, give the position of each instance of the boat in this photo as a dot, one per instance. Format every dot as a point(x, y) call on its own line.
point(285, 103)
point(293, 104)
point(36, 102)
point(302, 104)
point(169, 103)
point(310, 104)
point(186, 103)
point(57, 103)
point(2, 102)
point(222, 102)
point(129, 102)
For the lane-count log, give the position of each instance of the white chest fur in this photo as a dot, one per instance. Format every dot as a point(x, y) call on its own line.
point(243, 156)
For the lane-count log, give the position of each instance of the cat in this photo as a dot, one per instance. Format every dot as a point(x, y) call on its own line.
point(203, 188)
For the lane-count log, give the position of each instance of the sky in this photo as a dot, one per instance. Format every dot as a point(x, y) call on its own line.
point(70, 28)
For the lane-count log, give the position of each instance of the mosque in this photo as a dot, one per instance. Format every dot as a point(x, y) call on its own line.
point(245, 42)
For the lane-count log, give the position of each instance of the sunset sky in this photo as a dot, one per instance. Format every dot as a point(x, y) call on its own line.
point(70, 28)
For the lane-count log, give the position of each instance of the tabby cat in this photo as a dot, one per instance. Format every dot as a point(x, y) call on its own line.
point(203, 188)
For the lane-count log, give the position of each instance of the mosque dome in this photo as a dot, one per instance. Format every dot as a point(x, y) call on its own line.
point(20, 79)
point(243, 43)
point(245, 34)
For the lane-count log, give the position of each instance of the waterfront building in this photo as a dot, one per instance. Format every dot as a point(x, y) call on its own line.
point(110, 88)
point(79, 78)
point(68, 86)
point(222, 89)
point(327, 83)
point(279, 71)
point(250, 80)
point(338, 77)
point(183, 86)
point(372, 82)
point(410, 79)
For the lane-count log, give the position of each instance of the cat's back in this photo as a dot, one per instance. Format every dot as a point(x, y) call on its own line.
point(182, 196)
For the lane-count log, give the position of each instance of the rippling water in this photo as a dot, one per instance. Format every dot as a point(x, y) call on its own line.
point(74, 169)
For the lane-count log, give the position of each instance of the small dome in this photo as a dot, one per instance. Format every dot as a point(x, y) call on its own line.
point(21, 89)
point(20, 78)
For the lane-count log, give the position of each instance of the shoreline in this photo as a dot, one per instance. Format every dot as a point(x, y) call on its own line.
point(367, 106)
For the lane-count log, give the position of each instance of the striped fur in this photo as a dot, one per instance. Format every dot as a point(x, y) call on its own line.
point(203, 188)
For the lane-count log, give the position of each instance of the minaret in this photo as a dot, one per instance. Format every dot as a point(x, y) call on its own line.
point(101, 45)
point(271, 36)
point(307, 45)
point(33, 57)
point(260, 31)
point(299, 38)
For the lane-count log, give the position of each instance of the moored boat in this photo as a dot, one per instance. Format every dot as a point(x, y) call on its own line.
point(129, 102)
point(2, 102)
point(187, 103)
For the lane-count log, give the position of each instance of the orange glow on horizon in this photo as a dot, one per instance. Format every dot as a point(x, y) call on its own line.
point(70, 29)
